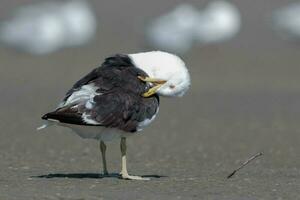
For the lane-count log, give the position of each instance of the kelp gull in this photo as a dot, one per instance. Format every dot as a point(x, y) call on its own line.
point(120, 98)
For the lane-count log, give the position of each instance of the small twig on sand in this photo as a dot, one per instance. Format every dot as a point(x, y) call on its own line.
point(245, 163)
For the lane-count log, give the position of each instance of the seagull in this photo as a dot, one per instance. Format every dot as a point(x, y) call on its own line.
point(120, 98)
point(174, 31)
point(286, 21)
point(186, 25)
point(219, 22)
point(45, 27)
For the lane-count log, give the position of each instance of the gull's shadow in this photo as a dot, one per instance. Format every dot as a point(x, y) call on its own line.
point(89, 175)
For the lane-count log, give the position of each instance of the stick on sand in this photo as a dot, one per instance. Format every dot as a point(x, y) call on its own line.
point(245, 163)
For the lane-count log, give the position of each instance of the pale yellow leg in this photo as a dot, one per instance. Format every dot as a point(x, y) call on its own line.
point(124, 172)
point(103, 150)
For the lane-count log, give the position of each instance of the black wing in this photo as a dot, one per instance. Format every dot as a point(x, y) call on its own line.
point(115, 109)
point(123, 110)
point(117, 103)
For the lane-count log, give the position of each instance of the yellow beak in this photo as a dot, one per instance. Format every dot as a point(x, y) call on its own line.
point(157, 84)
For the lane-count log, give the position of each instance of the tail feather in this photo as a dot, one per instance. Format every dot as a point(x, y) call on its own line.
point(45, 125)
point(64, 117)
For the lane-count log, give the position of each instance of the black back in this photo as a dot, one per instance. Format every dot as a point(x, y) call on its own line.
point(119, 103)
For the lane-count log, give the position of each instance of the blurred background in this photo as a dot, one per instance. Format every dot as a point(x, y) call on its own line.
point(243, 57)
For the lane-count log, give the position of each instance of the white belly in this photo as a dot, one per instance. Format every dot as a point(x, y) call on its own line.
point(97, 132)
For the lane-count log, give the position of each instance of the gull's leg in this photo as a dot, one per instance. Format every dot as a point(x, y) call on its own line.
point(124, 172)
point(103, 150)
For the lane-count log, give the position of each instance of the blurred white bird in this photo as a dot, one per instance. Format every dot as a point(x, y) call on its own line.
point(178, 30)
point(48, 26)
point(286, 21)
point(174, 31)
point(220, 21)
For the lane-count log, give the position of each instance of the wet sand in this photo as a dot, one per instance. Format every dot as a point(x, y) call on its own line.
point(231, 112)
point(244, 99)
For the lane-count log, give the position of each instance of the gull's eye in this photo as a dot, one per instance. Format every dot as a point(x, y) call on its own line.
point(172, 86)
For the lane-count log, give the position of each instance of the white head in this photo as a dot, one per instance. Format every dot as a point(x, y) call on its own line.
point(167, 67)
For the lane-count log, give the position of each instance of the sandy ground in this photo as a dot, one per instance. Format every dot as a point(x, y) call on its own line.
point(239, 104)
point(244, 99)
